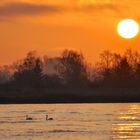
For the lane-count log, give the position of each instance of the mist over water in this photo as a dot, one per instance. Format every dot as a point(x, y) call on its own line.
point(71, 122)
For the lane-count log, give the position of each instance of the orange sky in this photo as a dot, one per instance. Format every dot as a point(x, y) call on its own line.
point(50, 26)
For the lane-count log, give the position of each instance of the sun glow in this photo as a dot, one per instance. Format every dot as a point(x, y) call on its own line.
point(87, 2)
point(128, 28)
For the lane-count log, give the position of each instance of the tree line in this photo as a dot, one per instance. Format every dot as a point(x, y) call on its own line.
point(71, 71)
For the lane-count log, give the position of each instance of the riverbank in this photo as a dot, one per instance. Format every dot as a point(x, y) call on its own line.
point(106, 95)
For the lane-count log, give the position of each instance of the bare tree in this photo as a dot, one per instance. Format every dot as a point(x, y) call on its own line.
point(29, 71)
point(73, 68)
point(133, 57)
point(106, 59)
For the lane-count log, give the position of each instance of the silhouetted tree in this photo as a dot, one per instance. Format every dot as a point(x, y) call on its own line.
point(116, 59)
point(133, 58)
point(4, 74)
point(137, 75)
point(73, 69)
point(29, 72)
point(53, 82)
point(106, 58)
point(123, 73)
point(117, 70)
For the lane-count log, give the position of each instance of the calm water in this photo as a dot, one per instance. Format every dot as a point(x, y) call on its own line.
point(71, 122)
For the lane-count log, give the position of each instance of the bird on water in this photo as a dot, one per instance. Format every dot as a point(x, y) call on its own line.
point(48, 119)
point(28, 118)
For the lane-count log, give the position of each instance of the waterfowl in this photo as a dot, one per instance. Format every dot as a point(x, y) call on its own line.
point(28, 118)
point(48, 118)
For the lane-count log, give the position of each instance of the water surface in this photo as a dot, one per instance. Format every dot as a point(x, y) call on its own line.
point(71, 122)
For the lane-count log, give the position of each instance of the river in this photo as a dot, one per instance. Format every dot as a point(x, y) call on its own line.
point(70, 122)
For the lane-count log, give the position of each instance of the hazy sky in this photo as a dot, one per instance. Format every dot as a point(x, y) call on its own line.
point(50, 26)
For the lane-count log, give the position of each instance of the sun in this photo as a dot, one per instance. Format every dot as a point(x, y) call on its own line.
point(128, 28)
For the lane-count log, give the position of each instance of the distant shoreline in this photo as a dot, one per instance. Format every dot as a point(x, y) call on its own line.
point(63, 96)
point(68, 100)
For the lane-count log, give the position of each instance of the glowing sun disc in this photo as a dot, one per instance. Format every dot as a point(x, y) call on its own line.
point(128, 28)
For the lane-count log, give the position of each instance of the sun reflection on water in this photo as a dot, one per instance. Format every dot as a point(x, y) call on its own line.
point(127, 124)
